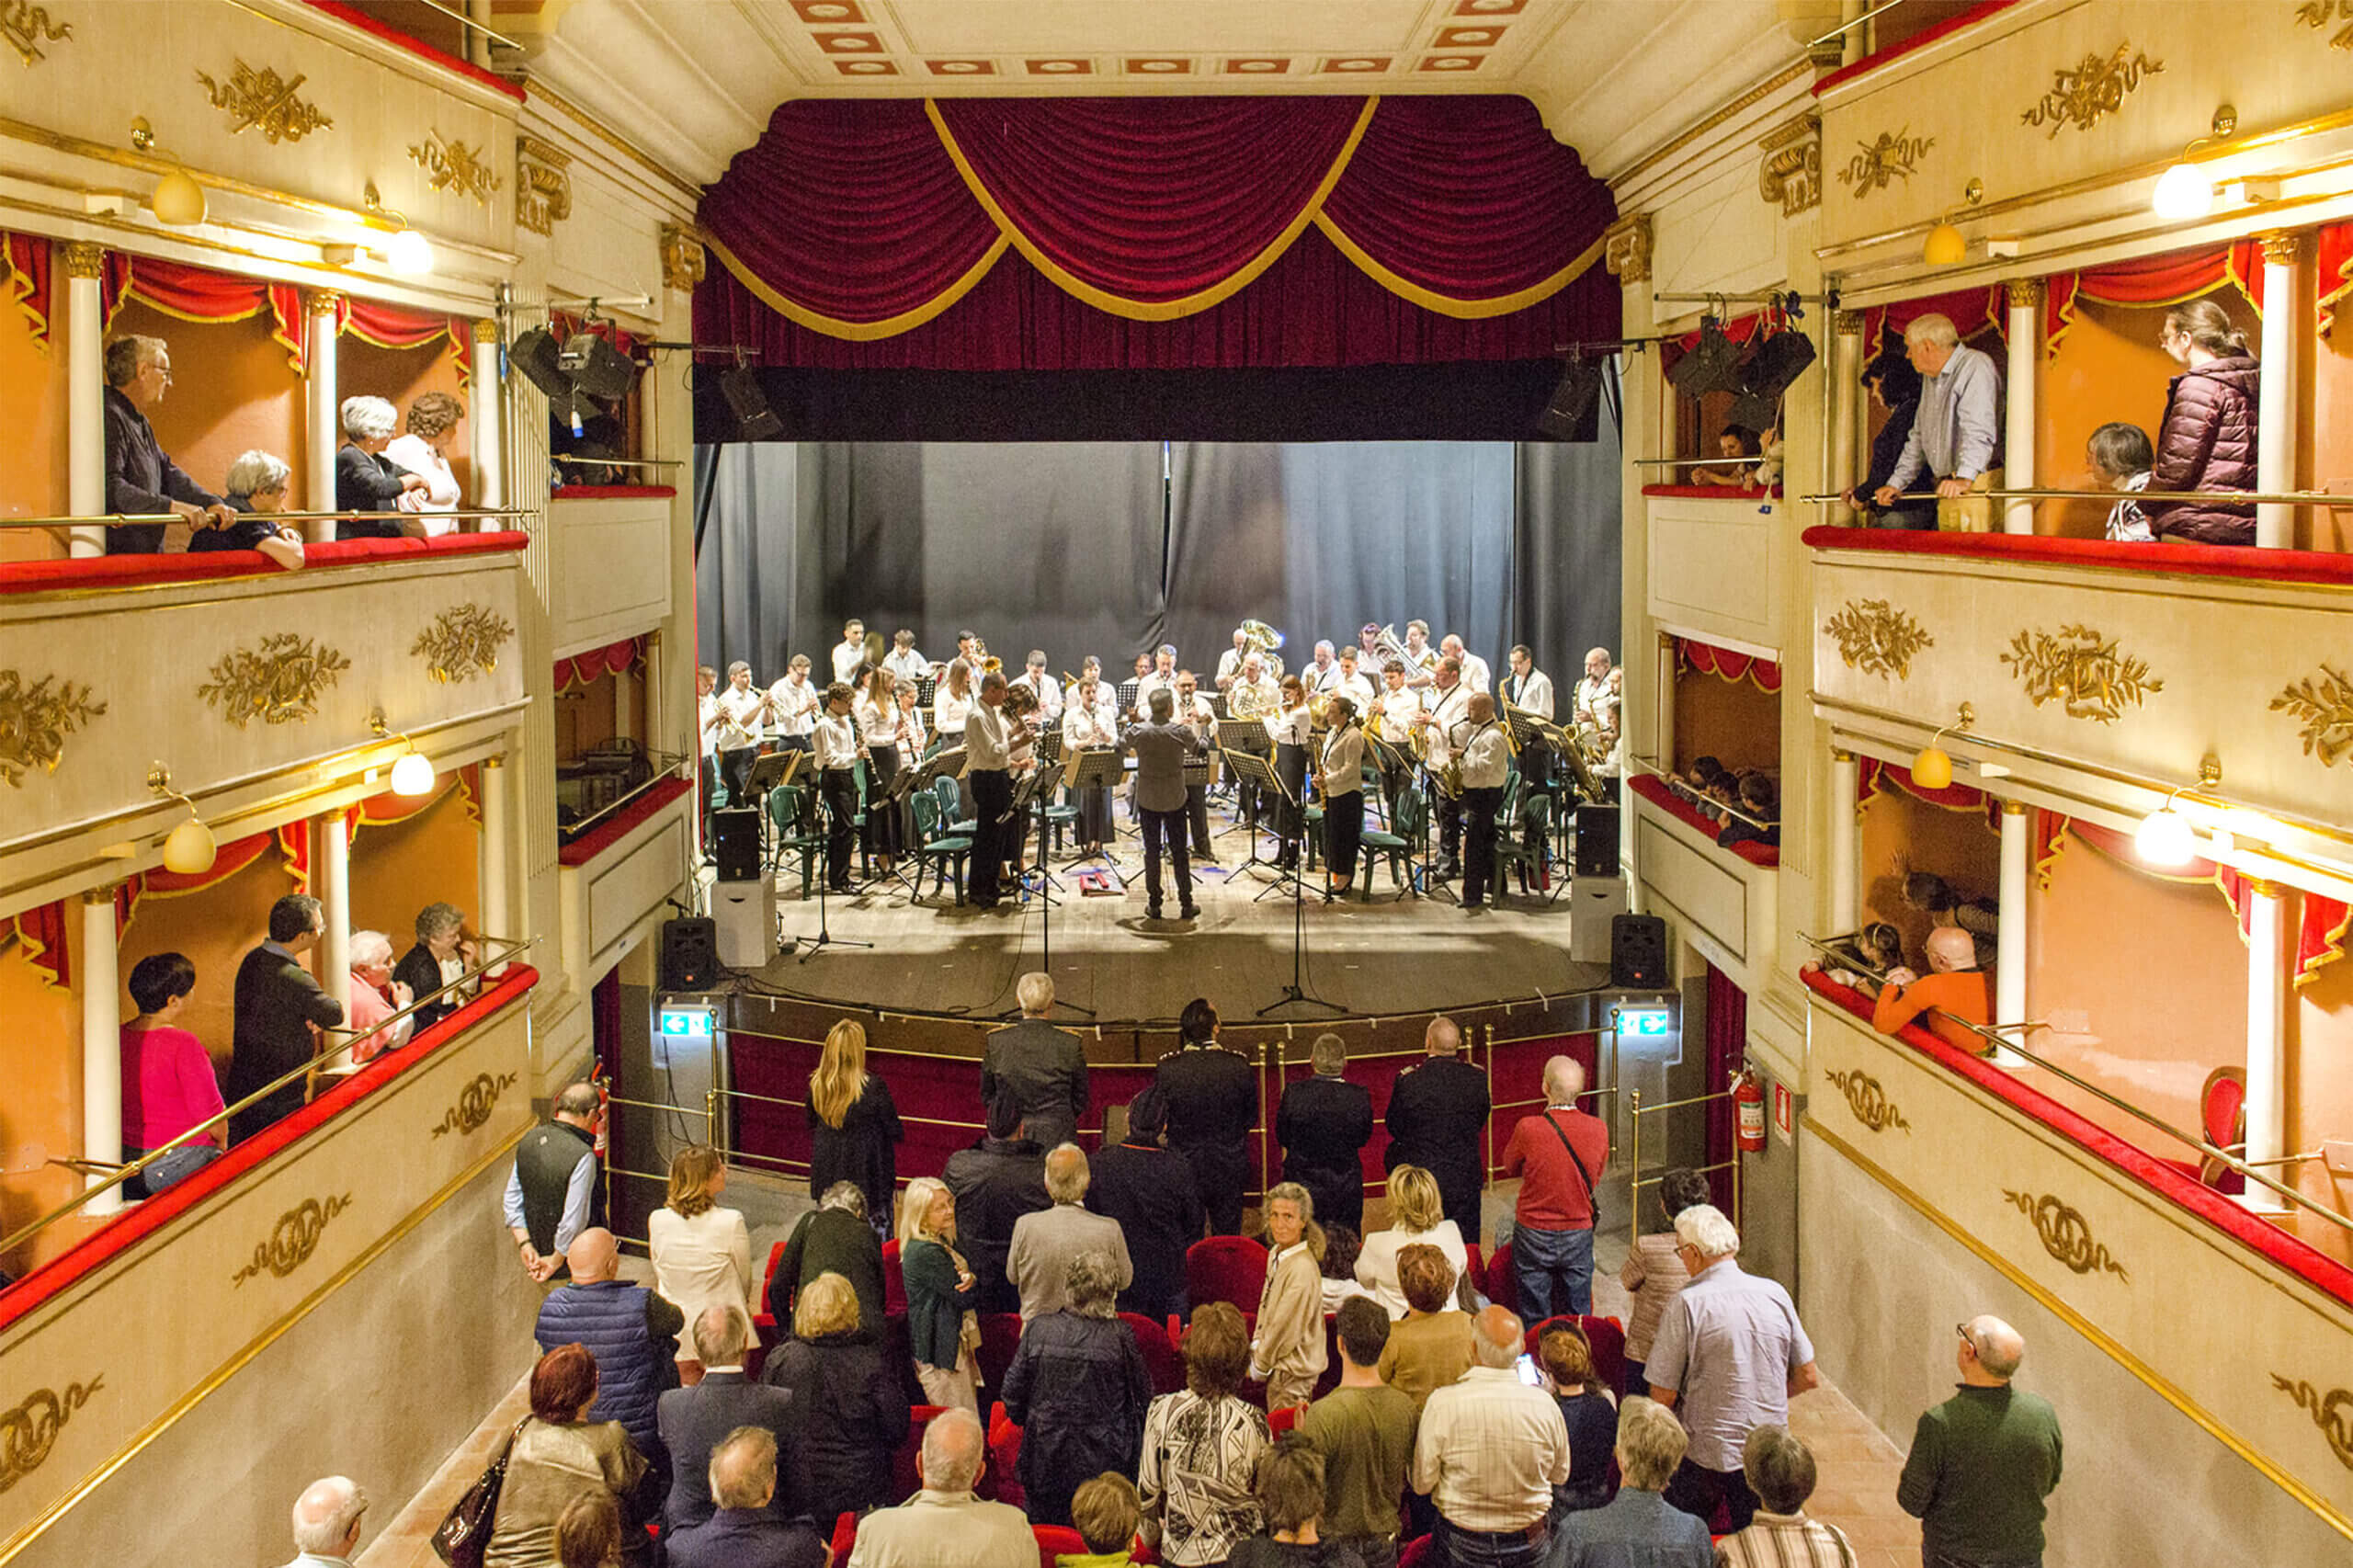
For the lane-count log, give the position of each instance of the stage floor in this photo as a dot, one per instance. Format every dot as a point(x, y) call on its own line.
point(1385, 955)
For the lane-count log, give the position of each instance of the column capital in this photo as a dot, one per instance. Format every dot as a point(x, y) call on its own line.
point(1840, 756)
point(100, 894)
point(485, 329)
point(321, 302)
point(2023, 293)
point(2282, 250)
point(2013, 807)
point(1626, 248)
point(2264, 888)
point(1849, 323)
point(81, 259)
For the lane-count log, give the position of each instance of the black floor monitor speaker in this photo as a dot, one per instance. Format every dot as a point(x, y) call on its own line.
point(1638, 952)
point(690, 954)
point(1596, 841)
point(737, 834)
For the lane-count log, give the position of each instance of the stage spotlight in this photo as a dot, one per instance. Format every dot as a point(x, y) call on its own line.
point(1712, 365)
point(1574, 410)
point(597, 368)
point(755, 420)
point(540, 358)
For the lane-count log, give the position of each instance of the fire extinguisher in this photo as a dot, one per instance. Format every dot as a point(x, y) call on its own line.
point(1748, 1101)
point(597, 1075)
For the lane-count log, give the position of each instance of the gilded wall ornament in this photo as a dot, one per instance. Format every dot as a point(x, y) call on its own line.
point(2066, 1234)
point(27, 26)
point(1876, 638)
point(2317, 14)
point(261, 100)
point(1626, 248)
point(35, 720)
point(463, 642)
point(279, 683)
point(1792, 172)
point(2083, 670)
point(2085, 94)
point(2330, 1412)
point(542, 187)
point(1885, 160)
point(682, 259)
point(1868, 1099)
point(293, 1239)
point(2323, 704)
point(475, 1102)
point(453, 165)
point(29, 1431)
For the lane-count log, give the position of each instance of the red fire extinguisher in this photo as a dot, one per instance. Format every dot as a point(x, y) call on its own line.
point(1748, 1101)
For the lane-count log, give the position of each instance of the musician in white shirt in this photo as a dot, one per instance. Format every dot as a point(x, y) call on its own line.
point(1421, 658)
point(850, 652)
point(706, 743)
point(1339, 780)
point(988, 748)
point(838, 754)
point(1486, 760)
point(1530, 689)
point(877, 714)
point(1290, 727)
point(1476, 674)
point(951, 704)
point(741, 708)
point(1322, 670)
point(1253, 693)
point(1043, 686)
point(1088, 726)
point(1229, 664)
point(1348, 676)
point(1450, 706)
point(1596, 708)
point(793, 705)
point(1162, 677)
point(903, 660)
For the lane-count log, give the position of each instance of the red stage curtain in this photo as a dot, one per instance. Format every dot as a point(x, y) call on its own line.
point(2335, 271)
point(1727, 1047)
point(25, 280)
point(1725, 664)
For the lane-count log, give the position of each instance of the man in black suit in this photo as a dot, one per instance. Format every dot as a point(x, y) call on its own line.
point(1044, 1068)
point(1323, 1124)
point(996, 1181)
point(277, 1004)
point(1212, 1098)
point(695, 1422)
point(745, 1532)
point(1150, 1192)
point(1437, 1120)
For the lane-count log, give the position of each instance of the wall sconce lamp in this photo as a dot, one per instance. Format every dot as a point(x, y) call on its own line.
point(405, 251)
point(1932, 765)
point(1946, 245)
point(178, 199)
point(189, 848)
point(411, 770)
point(2165, 836)
point(2184, 191)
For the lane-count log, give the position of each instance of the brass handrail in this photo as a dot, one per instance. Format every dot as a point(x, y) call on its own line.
point(2281, 497)
point(147, 520)
point(509, 947)
point(1635, 1181)
point(1644, 764)
point(675, 768)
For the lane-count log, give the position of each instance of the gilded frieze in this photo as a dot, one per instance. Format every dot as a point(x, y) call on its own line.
point(1792, 176)
point(27, 26)
point(2085, 94)
point(2330, 1412)
point(2065, 1234)
point(279, 683)
point(264, 101)
point(2083, 670)
point(1889, 157)
point(2319, 14)
point(453, 165)
point(1867, 1098)
point(29, 1431)
point(293, 1239)
point(1876, 638)
point(475, 1102)
point(463, 642)
point(2323, 704)
point(35, 720)
point(682, 259)
point(542, 185)
point(1626, 248)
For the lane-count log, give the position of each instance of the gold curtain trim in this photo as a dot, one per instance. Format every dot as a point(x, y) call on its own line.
point(857, 331)
point(1448, 305)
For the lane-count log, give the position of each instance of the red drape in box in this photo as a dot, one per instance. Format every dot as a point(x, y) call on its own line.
point(25, 280)
point(1727, 1047)
point(200, 294)
point(2322, 922)
point(376, 811)
point(396, 327)
point(1972, 310)
point(2336, 272)
point(1725, 664)
point(1873, 776)
point(2152, 280)
point(612, 659)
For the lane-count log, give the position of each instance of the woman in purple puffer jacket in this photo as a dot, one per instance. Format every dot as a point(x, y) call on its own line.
point(2208, 439)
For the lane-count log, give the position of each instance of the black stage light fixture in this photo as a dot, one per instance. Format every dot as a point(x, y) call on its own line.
point(1574, 410)
point(1712, 365)
point(596, 367)
point(755, 420)
point(1778, 362)
point(537, 354)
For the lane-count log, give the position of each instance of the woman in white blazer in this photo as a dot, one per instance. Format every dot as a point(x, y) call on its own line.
point(703, 1254)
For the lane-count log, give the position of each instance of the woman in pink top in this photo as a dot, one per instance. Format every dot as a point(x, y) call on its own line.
point(168, 1086)
point(1654, 1270)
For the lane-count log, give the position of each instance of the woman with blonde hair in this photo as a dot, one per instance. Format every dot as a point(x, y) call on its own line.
point(703, 1254)
point(852, 1413)
point(853, 1125)
point(1416, 1213)
point(1288, 1353)
point(943, 1325)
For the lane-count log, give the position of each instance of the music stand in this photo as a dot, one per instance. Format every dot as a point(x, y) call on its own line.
point(1126, 691)
point(902, 786)
point(1245, 737)
point(1260, 771)
point(1098, 769)
point(1032, 791)
point(824, 937)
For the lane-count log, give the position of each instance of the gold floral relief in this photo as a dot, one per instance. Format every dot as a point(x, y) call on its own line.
point(279, 683)
point(682, 259)
point(1876, 638)
point(2330, 1412)
point(293, 1239)
point(2083, 670)
point(30, 1430)
point(2323, 703)
point(2085, 94)
point(542, 185)
point(1891, 156)
point(264, 101)
point(475, 1102)
point(35, 720)
point(453, 165)
point(2318, 14)
point(27, 26)
point(1867, 1098)
point(463, 642)
point(2066, 1234)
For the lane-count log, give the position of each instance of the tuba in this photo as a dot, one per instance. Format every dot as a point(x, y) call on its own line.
point(1264, 639)
point(1393, 651)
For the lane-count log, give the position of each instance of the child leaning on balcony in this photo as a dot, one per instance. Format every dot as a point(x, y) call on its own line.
point(2121, 458)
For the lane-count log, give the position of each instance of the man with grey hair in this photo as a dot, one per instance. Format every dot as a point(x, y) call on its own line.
point(1984, 1462)
point(834, 1238)
point(1161, 748)
point(693, 1421)
point(944, 1526)
point(375, 996)
point(368, 480)
point(1729, 1357)
point(1639, 1527)
point(1324, 1123)
point(433, 968)
point(1043, 1067)
point(553, 1194)
point(1559, 1154)
point(140, 477)
point(1957, 434)
point(326, 1523)
point(744, 1531)
point(1780, 1471)
point(1488, 1454)
point(1437, 1116)
point(1046, 1244)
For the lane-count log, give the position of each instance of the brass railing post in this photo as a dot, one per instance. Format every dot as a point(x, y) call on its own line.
point(1634, 1171)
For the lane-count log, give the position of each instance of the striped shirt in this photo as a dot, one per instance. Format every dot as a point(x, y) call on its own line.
point(1786, 1540)
point(1490, 1451)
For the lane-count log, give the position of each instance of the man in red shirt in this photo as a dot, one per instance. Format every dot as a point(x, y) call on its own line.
point(1558, 1156)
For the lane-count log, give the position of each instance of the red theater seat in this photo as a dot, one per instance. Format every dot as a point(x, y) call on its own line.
point(1225, 1268)
point(1000, 1337)
point(1501, 1285)
point(1161, 1358)
point(1057, 1540)
point(894, 1281)
point(1606, 1336)
point(1281, 1421)
point(844, 1537)
point(1004, 1456)
point(903, 1475)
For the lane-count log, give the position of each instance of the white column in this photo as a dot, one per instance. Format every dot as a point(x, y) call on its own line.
point(85, 411)
point(624, 726)
point(1845, 409)
point(487, 450)
point(2267, 1035)
point(478, 43)
point(101, 1045)
point(2009, 959)
point(497, 875)
point(323, 424)
point(2284, 346)
point(2025, 368)
point(1854, 44)
point(1845, 883)
point(331, 885)
point(1663, 706)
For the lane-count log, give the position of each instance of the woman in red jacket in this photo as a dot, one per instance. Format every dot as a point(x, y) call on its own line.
point(2208, 439)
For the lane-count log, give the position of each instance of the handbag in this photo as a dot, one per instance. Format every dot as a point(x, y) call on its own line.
point(464, 1532)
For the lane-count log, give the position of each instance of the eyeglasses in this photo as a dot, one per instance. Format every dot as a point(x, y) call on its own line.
point(1962, 1329)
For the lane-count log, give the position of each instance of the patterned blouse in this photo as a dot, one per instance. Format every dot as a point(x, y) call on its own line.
point(1198, 1456)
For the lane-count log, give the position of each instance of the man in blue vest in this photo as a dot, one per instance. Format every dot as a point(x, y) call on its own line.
point(633, 1333)
point(553, 1194)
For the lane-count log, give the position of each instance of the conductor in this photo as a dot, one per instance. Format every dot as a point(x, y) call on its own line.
point(1161, 748)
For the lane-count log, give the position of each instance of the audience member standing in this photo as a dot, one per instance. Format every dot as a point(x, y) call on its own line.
point(850, 1411)
point(944, 1526)
point(1324, 1123)
point(434, 966)
point(1046, 1242)
point(1437, 1120)
point(1653, 1269)
point(853, 1128)
point(943, 1298)
point(1489, 1452)
point(833, 1238)
point(1639, 1528)
point(1894, 385)
point(2208, 438)
point(701, 1253)
point(1212, 1099)
point(1984, 1462)
point(553, 1194)
point(693, 1422)
point(1045, 1067)
point(424, 451)
point(1149, 1192)
point(1414, 1217)
point(1729, 1358)
point(168, 1088)
point(278, 1007)
point(368, 480)
point(1202, 1447)
point(326, 1523)
point(1781, 1472)
point(996, 1181)
point(560, 1447)
point(1587, 1410)
point(631, 1330)
point(744, 1531)
point(1559, 1154)
point(1287, 1353)
point(1291, 1500)
point(1956, 434)
point(1432, 1345)
point(139, 478)
point(1078, 1390)
point(1365, 1429)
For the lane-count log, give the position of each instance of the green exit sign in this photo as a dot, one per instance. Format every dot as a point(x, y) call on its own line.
point(1644, 1023)
point(688, 1023)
